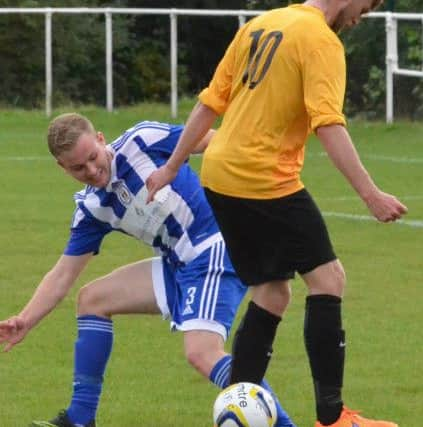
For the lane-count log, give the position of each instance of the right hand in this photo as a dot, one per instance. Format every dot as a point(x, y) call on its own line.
point(385, 207)
point(12, 332)
point(158, 179)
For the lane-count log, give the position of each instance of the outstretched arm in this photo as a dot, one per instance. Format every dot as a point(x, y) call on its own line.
point(199, 123)
point(52, 289)
point(337, 143)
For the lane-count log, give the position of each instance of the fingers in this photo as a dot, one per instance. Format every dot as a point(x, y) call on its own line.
point(157, 180)
point(387, 208)
point(153, 185)
point(8, 327)
point(402, 208)
point(389, 216)
point(398, 210)
point(152, 189)
point(8, 347)
point(12, 332)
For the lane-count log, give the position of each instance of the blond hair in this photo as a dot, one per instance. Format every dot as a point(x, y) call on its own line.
point(65, 130)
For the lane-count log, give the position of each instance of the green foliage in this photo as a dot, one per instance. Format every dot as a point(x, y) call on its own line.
point(366, 67)
point(141, 55)
point(406, 6)
point(21, 52)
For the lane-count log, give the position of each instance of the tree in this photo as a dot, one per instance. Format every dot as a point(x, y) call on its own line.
point(141, 54)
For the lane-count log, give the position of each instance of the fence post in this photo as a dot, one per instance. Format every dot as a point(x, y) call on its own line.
point(391, 64)
point(422, 43)
point(109, 61)
point(174, 64)
point(241, 20)
point(49, 61)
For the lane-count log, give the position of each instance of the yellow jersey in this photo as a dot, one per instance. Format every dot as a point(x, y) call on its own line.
point(282, 77)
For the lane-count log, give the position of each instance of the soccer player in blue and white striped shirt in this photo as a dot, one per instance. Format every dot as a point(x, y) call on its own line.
point(191, 280)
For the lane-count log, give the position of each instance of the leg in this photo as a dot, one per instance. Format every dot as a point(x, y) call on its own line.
point(252, 347)
point(204, 350)
point(325, 338)
point(260, 245)
point(126, 290)
point(213, 302)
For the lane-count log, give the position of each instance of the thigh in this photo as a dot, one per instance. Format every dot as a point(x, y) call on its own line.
point(310, 245)
point(128, 289)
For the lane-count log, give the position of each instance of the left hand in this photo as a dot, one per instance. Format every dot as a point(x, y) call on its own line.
point(385, 207)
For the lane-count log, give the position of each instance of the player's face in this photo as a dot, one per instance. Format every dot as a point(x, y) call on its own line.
point(352, 13)
point(88, 161)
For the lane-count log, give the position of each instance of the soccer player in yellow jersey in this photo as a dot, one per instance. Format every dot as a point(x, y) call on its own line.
point(282, 77)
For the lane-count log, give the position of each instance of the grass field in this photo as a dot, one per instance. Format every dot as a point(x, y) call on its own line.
point(148, 382)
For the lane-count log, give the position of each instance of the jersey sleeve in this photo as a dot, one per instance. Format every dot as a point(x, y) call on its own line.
point(86, 234)
point(168, 144)
point(216, 95)
point(155, 139)
point(324, 79)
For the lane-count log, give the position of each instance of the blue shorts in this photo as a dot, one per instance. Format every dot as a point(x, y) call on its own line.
point(204, 294)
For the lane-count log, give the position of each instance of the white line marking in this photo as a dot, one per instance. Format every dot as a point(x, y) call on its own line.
point(409, 222)
point(24, 158)
point(310, 155)
point(348, 198)
point(392, 159)
point(374, 157)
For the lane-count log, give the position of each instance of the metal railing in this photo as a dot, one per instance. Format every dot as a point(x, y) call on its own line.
point(392, 66)
point(391, 20)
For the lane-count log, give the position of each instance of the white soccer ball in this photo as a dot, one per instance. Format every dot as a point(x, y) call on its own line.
point(244, 405)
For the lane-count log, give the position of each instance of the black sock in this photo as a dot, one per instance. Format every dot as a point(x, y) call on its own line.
point(252, 345)
point(325, 343)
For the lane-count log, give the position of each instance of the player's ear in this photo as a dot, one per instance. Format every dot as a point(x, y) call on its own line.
point(101, 138)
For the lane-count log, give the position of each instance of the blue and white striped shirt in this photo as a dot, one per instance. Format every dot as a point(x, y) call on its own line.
point(179, 223)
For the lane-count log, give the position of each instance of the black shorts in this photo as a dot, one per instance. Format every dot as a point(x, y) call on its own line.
point(274, 238)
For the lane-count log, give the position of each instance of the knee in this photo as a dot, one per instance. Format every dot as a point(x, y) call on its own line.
point(90, 302)
point(336, 280)
point(285, 294)
point(198, 359)
point(280, 299)
point(274, 297)
point(339, 277)
point(326, 279)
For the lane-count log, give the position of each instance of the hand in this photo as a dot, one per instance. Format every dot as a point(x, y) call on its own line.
point(158, 179)
point(385, 207)
point(12, 332)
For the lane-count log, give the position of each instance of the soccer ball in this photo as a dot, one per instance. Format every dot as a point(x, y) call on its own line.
point(244, 405)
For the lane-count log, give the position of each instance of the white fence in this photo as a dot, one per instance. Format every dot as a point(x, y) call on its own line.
point(391, 20)
point(392, 66)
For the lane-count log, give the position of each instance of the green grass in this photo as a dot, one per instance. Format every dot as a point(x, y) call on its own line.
point(148, 381)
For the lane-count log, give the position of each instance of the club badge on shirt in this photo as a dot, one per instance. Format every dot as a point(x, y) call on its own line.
point(123, 193)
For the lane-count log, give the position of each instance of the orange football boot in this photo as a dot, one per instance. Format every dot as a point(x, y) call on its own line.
point(351, 418)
